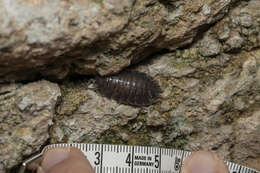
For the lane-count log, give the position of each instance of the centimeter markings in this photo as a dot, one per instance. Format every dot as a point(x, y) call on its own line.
point(106, 158)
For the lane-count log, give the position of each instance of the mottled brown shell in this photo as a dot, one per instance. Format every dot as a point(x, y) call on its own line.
point(129, 87)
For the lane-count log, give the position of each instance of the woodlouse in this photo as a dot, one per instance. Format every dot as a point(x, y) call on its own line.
point(129, 87)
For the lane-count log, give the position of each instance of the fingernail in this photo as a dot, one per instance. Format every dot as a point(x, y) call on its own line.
point(52, 157)
point(203, 162)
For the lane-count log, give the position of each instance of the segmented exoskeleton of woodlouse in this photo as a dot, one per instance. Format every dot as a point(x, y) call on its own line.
point(129, 87)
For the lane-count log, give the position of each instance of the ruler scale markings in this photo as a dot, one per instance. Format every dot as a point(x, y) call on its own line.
point(236, 168)
point(101, 164)
point(233, 166)
point(243, 169)
point(170, 160)
point(160, 164)
point(132, 166)
point(181, 161)
point(239, 169)
point(247, 170)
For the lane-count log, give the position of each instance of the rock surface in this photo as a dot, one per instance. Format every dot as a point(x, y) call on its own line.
point(211, 89)
point(56, 38)
point(26, 113)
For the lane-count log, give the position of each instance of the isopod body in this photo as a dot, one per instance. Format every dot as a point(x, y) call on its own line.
point(129, 87)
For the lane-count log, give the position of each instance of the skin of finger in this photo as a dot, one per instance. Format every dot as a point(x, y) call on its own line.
point(203, 161)
point(53, 156)
point(64, 157)
point(72, 165)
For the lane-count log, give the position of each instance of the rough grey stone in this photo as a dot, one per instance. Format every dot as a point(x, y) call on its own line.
point(155, 119)
point(26, 113)
point(158, 136)
point(57, 38)
point(215, 96)
point(235, 42)
point(163, 66)
point(91, 119)
point(240, 29)
point(248, 140)
point(246, 20)
point(223, 32)
point(209, 46)
point(204, 103)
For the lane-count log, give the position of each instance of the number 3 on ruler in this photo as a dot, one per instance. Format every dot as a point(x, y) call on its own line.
point(97, 154)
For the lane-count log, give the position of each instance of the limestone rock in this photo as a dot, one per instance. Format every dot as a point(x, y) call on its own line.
point(240, 29)
point(91, 119)
point(248, 140)
point(56, 38)
point(209, 46)
point(208, 91)
point(26, 113)
point(155, 119)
